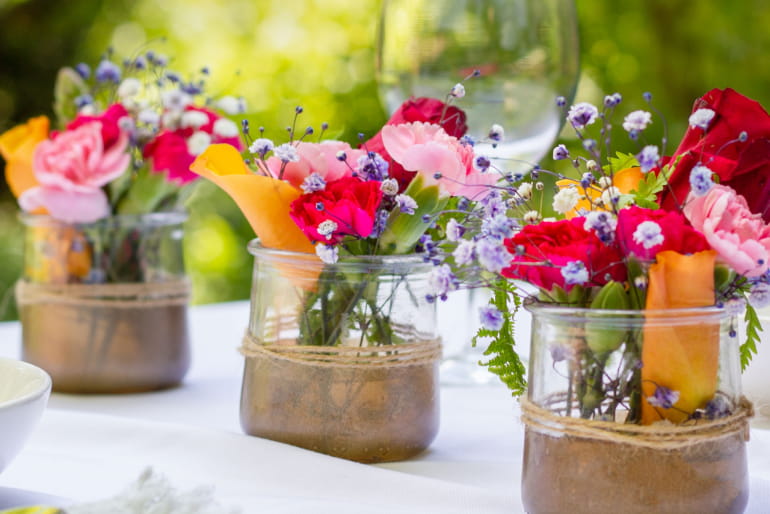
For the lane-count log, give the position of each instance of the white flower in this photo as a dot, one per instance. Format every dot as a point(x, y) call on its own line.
point(574, 273)
point(389, 187)
point(637, 121)
point(231, 105)
point(261, 147)
point(496, 133)
point(531, 217)
point(148, 117)
point(225, 128)
point(326, 228)
point(566, 200)
point(406, 204)
point(648, 234)
point(701, 118)
point(129, 87)
point(198, 142)
point(454, 231)
point(604, 182)
point(525, 190)
point(610, 195)
point(175, 99)
point(87, 110)
point(582, 114)
point(327, 253)
point(193, 119)
point(458, 91)
point(126, 124)
point(171, 119)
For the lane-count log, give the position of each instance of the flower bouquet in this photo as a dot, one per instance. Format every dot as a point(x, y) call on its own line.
point(342, 351)
point(635, 286)
point(104, 295)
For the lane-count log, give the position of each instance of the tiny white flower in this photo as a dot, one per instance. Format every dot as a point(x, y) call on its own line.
point(610, 195)
point(175, 99)
point(582, 114)
point(149, 117)
point(464, 253)
point(454, 231)
point(604, 182)
point(574, 273)
point(531, 217)
point(171, 119)
point(406, 204)
point(261, 147)
point(129, 87)
point(496, 133)
point(648, 234)
point(231, 105)
point(591, 165)
point(566, 200)
point(225, 128)
point(458, 91)
point(326, 228)
point(87, 110)
point(637, 121)
point(389, 187)
point(327, 253)
point(701, 118)
point(126, 124)
point(193, 119)
point(524, 190)
point(198, 142)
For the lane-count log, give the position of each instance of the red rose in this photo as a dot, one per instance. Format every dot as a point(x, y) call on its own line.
point(548, 246)
point(744, 166)
point(677, 234)
point(349, 203)
point(427, 110)
point(109, 120)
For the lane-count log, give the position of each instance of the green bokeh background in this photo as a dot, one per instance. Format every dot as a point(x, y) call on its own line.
point(320, 54)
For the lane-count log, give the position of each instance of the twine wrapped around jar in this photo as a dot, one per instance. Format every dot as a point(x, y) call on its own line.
point(387, 356)
point(119, 295)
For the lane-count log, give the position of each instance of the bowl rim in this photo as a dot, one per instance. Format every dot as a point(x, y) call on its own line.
point(34, 395)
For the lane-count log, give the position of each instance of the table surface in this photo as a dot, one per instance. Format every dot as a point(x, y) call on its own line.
point(89, 447)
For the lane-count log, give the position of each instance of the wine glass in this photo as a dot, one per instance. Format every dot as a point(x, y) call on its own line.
point(526, 54)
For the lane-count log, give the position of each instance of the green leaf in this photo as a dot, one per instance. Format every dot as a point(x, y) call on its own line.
point(504, 361)
point(146, 192)
point(621, 161)
point(403, 230)
point(69, 85)
point(753, 328)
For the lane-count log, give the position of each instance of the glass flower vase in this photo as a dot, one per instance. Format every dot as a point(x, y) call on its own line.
point(341, 358)
point(634, 411)
point(103, 305)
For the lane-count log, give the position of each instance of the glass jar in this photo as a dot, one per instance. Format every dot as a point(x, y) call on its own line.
point(103, 305)
point(634, 411)
point(341, 358)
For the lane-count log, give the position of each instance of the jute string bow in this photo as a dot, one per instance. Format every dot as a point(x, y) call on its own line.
point(387, 356)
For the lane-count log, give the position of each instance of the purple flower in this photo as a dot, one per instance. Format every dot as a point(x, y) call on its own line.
point(492, 255)
point(328, 254)
point(663, 397)
point(286, 153)
point(261, 147)
point(107, 71)
point(83, 70)
point(759, 295)
point(700, 180)
point(648, 158)
point(493, 204)
point(701, 118)
point(465, 252)
point(481, 163)
point(648, 234)
point(718, 407)
point(560, 152)
point(454, 230)
point(491, 318)
point(441, 281)
point(612, 100)
point(372, 167)
point(637, 120)
point(406, 204)
point(582, 114)
point(498, 227)
point(312, 183)
point(574, 273)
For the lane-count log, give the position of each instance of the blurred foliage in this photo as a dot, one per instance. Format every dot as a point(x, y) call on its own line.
point(320, 54)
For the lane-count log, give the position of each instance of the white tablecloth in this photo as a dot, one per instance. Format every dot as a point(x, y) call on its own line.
point(89, 447)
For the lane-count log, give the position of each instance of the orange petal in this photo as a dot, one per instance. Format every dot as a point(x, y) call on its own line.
point(627, 180)
point(17, 147)
point(265, 201)
point(684, 358)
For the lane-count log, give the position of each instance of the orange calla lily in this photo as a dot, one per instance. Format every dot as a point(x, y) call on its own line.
point(17, 147)
point(626, 180)
point(263, 200)
point(683, 358)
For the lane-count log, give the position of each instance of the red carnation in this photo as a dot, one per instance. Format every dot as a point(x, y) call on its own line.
point(678, 235)
point(109, 120)
point(349, 203)
point(548, 246)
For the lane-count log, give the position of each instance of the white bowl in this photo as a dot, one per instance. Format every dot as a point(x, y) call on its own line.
point(24, 391)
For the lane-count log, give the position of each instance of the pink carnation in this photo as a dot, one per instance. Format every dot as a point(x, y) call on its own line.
point(320, 158)
point(427, 149)
point(740, 237)
point(71, 169)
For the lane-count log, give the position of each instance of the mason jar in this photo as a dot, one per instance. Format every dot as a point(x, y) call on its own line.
point(103, 305)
